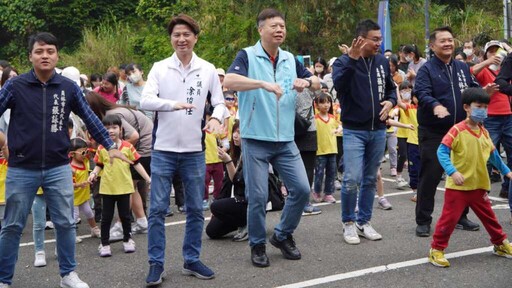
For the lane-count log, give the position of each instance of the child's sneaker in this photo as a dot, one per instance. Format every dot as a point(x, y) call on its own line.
point(329, 199)
point(436, 257)
point(503, 250)
point(95, 232)
point(105, 251)
point(400, 182)
point(317, 198)
point(206, 206)
point(40, 259)
point(129, 247)
point(384, 204)
point(310, 210)
point(78, 240)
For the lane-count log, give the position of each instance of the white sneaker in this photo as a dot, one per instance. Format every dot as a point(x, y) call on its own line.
point(78, 240)
point(49, 225)
point(3, 285)
point(129, 247)
point(401, 183)
point(350, 234)
point(72, 281)
point(40, 259)
point(137, 229)
point(95, 232)
point(104, 251)
point(367, 231)
point(116, 232)
point(337, 184)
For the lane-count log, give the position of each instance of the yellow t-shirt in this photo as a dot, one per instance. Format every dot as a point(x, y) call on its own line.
point(412, 114)
point(325, 138)
point(80, 175)
point(116, 178)
point(470, 150)
point(404, 119)
point(3, 176)
point(211, 155)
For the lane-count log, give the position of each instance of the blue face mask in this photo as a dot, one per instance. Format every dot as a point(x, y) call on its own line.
point(478, 114)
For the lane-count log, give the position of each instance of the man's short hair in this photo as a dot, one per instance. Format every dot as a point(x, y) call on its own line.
point(475, 95)
point(42, 37)
point(470, 41)
point(268, 14)
point(183, 19)
point(433, 35)
point(366, 26)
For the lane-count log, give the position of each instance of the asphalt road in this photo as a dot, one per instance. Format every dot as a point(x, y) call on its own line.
point(398, 260)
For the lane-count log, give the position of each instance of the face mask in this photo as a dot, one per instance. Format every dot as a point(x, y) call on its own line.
point(135, 77)
point(478, 114)
point(408, 59)
point(319, 69)
point(468, 52)
point(406, 95)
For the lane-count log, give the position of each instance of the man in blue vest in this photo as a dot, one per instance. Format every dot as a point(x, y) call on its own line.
point(268, 79)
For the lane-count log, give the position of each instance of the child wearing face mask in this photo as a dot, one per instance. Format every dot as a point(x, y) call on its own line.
point(463, 154)
point(408, 114)
point(132, 92)
point(320, 67)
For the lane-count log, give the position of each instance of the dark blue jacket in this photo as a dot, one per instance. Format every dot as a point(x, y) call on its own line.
point(362, 85)
point(438, 83)
point(38, 133)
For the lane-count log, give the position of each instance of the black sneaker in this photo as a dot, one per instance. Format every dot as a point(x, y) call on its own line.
point(287, 246)
point(156, 275)
point(423, 230)
point(259, 256)
point(466, 224)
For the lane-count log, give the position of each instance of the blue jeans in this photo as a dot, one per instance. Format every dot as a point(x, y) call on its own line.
point(363, 151)
point(20, 188)
point(191, 167)
point(325, 164)
point(285, 159)
point(500, 129)
point(39, 219)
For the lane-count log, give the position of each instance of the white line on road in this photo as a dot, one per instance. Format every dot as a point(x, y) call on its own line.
point(379, 269)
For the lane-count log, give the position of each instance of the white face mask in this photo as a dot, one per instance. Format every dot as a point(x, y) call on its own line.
point(135, 77)
point(468, 52)
point(319, 69)
point(408, 59)
point(406, 95)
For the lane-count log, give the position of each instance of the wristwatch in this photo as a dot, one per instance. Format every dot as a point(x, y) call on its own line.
point(309, 81)
point(113, 147)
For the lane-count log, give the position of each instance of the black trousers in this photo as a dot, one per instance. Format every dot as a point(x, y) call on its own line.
point(123, 209)
point(227, 215)
point(308, 158)
point(402, 154)
point(430, 176)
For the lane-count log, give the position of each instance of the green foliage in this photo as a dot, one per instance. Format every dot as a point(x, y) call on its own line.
point(110, 44)
point(97, 34)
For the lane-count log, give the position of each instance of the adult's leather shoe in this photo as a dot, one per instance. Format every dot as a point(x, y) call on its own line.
point(423, 230)
point(287, 247)
point(259, 256)
point(466, 224)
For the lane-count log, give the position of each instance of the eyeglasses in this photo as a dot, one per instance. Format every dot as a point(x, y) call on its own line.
point(376, 40)
point(229, 99)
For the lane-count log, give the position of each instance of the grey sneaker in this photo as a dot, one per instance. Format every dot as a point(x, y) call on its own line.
point(311, 210)
point(366, 230)
point(350, 234)
point(384, 204)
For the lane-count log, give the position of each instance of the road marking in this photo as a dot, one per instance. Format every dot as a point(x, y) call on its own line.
point(381, 268)
point(89, 236)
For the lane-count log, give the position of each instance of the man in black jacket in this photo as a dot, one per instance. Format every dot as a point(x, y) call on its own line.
point(439, 85)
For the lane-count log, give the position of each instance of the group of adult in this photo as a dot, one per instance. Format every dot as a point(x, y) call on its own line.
point(267, 78)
